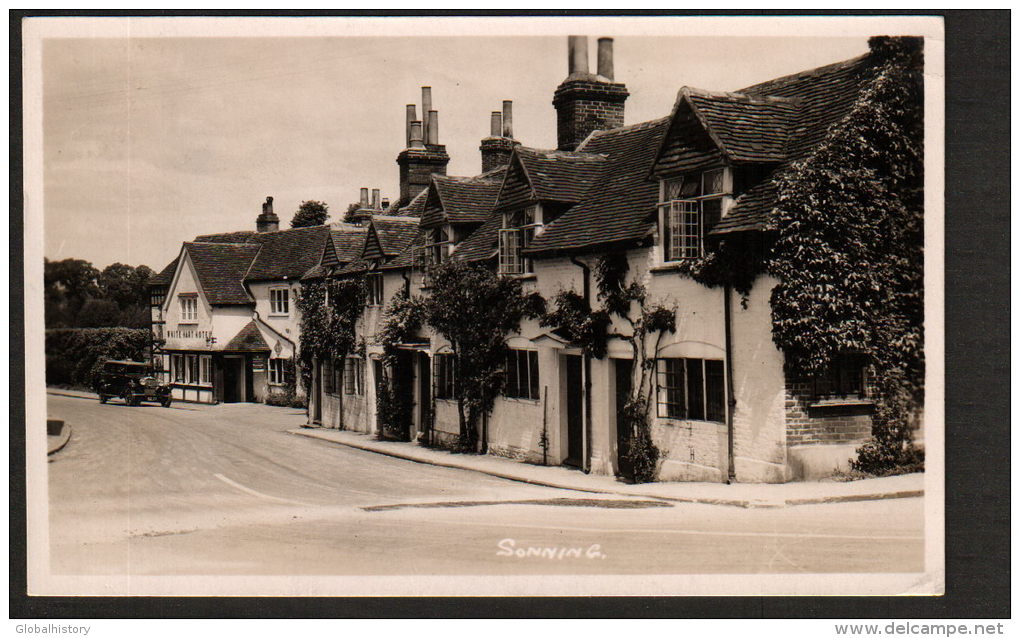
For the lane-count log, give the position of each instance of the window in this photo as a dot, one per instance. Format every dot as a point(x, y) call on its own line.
point(277, 371)
point(177, 368)
point(692, 389)
point(521, 374)
point(375, 288)
point(433, 252)
point(189, 309)
point(192, 376)
point(205, 369)
point(846, 378)
point(445, 371)
point(354, 376)
point(157, 296)
point(690, 207)
point(279, 301)
point(518, 231)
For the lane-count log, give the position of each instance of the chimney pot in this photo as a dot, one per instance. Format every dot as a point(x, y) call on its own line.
point(416, 139)
point(508, 119)
point(375, 199)
point(605, 59)
point(433, 130)
point(364, 198)
point(411, 116)
point(385, 203)
point(577, 61)
point(495, 124)
point(426, 110)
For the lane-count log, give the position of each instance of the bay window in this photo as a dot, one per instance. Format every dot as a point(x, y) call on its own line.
point(690, 206)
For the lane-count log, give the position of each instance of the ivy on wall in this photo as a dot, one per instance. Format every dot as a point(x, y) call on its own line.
point(394, 401)
point(329, 330)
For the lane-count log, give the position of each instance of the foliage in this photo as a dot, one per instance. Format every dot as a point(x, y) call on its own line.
point(77, 294)
point(849, 252)
point(310, 213)
point(475, 309)
point(734, 261)
point(328, 331)
point(288, 397)
point(351, 209)
point(394, 401)
point(74, 356)
point(628, 302)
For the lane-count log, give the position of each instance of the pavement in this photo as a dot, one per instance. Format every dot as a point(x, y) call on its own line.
point(56, 442)
point(227, 490)
point(750, 494)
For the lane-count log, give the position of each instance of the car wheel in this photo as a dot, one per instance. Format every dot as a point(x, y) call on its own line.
point(103, 398)
point(129, 399)
point(166, 402)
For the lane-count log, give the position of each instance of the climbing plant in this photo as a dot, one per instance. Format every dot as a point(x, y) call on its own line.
point(394, 402)
point(475, 310)
point(644, 324)
point(330, 310)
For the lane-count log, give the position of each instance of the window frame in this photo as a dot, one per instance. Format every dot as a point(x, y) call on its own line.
point(277, 371)
point(434, 250)
point(682, 211)
point(849, 374)
point(673, 389)
point(279, 307)
point(354, 376)
point(188, 305)
point(522, 225)
point(374, 285)
point(526, 379)
point(444, 366)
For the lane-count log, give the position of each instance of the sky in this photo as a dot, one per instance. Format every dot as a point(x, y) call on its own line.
point(148, 142)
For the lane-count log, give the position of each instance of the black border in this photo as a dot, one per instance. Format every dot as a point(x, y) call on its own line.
point(977, 376)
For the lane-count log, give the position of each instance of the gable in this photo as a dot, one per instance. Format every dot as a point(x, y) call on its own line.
point(373, 248)
point(687, 145)
point(516, 190)
point(220, 270)
point(433, 213)
point(184, 281)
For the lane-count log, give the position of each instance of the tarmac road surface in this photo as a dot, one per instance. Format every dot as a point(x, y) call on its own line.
point(224, 490)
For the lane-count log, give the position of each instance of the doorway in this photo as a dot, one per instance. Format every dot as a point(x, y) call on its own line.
point(575, 411)
point(424, 393)
point(623, 369)
point(233, 379)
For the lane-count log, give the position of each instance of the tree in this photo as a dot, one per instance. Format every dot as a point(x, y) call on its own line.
point(310, 213)
point(351, 209)
point(67, 285)
point(125, 285)
point(475, 310)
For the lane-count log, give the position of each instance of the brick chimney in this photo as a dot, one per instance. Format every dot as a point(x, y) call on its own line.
point(267, 221)
point(424, 154)
point(587, 102)
point(367, 207)
point(497, 148)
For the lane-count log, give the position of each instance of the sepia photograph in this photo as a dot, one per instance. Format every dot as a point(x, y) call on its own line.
point(484, 306)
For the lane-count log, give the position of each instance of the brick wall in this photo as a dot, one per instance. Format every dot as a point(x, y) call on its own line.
point(496, 152)
point(828, 425)
point(417, 165)
point(583, 106)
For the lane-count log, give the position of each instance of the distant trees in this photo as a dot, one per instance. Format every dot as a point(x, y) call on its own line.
point(78, 295)
point(310, 213)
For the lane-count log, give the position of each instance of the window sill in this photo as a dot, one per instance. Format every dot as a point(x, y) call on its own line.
point(278, 315)
point(521, 399)
point(678, 421)
point(446, 400)
point(670, 266)
point(841, 403)
point(187, 326)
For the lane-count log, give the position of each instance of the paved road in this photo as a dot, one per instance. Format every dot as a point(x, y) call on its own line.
point(225, 490)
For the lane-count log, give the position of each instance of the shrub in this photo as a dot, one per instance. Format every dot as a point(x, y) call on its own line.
point(287, 399)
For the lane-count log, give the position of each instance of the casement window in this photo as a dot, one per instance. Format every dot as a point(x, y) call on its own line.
point(521, 380)
point(205, 369)
point(157, 296)
point(354, 376)
point(433, 252)
point(279, 301)
point(518, 231)
point(328, 382)
point(277, 371)
point(689, 207)
point(846, 378)
point(189, 308)
point(177, 368)
point(693, 389)
point(191, 369)
point(444, 366)
point(374, 282)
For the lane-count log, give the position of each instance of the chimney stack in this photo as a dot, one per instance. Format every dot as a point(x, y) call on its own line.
point(577, 56)
point(375, 199)
point(267, 221)
point(508, 119)
point(585, 102)
point(605, 59)
point(497, 148)
point(424, 155)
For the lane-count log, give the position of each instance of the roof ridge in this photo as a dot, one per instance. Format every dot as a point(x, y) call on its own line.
point(800, 75)
point(737, 96)
point(556, 153)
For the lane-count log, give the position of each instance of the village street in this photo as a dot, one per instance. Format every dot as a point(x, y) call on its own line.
point(225, 490)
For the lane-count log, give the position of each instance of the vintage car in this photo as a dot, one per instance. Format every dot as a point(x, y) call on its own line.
point(132, 381)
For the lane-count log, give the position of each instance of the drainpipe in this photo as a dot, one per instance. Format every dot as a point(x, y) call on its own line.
point(586, 371)
point(731, 401)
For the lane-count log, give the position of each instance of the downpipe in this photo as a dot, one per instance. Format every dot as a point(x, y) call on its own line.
point(731, 401)
point(586, 371)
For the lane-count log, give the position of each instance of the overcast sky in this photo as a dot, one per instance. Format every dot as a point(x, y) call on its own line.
point(149, 142)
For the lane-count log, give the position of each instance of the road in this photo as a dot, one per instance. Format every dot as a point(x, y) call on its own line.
point(225, 490)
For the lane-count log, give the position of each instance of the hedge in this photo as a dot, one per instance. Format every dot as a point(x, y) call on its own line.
point(74, 355)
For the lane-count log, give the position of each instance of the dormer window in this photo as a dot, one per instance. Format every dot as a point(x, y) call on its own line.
point(434, 251)
point(518, 231)
point(690, 206)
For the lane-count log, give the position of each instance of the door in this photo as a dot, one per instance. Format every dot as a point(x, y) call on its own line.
point(315, 394)
point(233, 379)
point(575, 412)
point(623, 369)
point(424, 393)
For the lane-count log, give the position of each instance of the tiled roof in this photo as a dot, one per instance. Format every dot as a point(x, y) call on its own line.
point(287, 254)
point(236, 237)
point(354, 267)
point(481, 244)
point(248, 339)
point(348, 242)
point(394, 233)
point(406, 257)
point(747, 129)
point(412, 208)
point(560, 176)
point(165, 276)
point(462, 200)
point(620, 206)
point(220, 269)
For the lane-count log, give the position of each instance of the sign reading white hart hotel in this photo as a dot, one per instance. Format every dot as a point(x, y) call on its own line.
point(656, 284)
